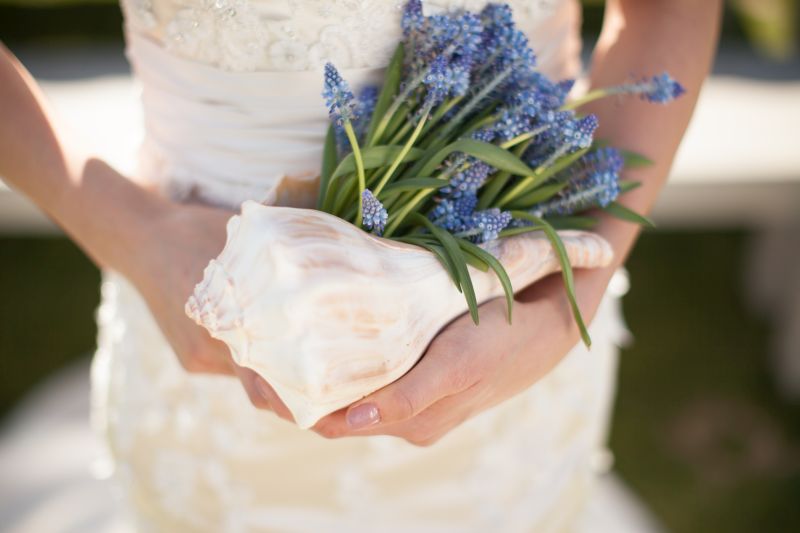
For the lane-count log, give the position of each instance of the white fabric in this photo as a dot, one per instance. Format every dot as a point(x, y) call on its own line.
point(191, 453)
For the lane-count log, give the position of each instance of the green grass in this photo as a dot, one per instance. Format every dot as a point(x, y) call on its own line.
point(698, 430)
point(48, 295)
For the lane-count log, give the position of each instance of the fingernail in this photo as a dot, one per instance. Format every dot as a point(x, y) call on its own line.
point(262, 387)
point(363, 415)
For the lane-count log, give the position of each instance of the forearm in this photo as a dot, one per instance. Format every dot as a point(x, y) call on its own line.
point(99, 208)
point(642, 38)
point(647, 38)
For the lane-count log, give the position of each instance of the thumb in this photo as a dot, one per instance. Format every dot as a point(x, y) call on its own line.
point(436, 376)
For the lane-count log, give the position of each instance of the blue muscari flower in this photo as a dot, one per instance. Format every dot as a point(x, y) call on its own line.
point(338, 97)
point(412, 19)
point(598, 188)
point(517, 116)
point(606, 159)
point(485, 134)
point(504, 49)
point(551, 95)
point(468, 180)
point(659, 89)
point(437, 82)
point(445, 79)
point(454, 214)
point(486, 225)
point(662, 89)
point(373, 214)
point(565, 134)
point(367, 99)
point(455, 36)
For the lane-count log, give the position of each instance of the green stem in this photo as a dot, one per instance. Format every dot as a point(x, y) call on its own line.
point(398, 217)
point(591, 96)
point(396, 103)
point(362, 180)
point(406, 148)
point(499, 180)
point(474, 101)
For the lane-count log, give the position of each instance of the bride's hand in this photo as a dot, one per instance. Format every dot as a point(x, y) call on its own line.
point(180, 241)
point(466, 370)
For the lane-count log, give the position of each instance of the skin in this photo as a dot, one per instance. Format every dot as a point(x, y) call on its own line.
point(162, 246)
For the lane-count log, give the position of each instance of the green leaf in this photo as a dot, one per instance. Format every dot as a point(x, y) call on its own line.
point(495, 156)
point(412, 184)
point(538, 195)
point(510, 232)
point(572, 222)
point(634, 160)
point(623, 213)
point(498, 268)
point(542, 174)
point(374, 157)
point(626, 185)
point(328, 165)
point(453, 250)
point(391, 83)
point(498, 180)
point(566, 268)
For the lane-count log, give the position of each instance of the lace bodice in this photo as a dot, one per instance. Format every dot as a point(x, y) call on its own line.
point(248, 35)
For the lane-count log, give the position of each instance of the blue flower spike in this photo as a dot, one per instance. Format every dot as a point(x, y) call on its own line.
point(338, 97)
point(374, 215)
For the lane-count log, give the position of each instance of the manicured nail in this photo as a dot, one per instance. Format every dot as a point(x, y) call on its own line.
point(263, 388)
point(363, 415)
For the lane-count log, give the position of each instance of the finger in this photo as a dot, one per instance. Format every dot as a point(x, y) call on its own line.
point(441, 372)
point(255, 391)
point(261, 394)
point(423, 429)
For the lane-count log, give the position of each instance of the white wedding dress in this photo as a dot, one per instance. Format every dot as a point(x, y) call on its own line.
point(231, 96)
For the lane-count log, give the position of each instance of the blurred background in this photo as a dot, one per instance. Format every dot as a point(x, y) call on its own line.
point(706, 427)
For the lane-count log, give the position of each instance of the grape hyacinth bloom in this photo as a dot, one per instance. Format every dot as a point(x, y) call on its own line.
point(338, 97)
point(517, 117)
point(412, 19)
point(660, 89)
point(468, 180)
point(437, 82)
point(363, 109)
point(564, 134)
point(454, 214)
point(606, 159)
point(599, 188)
point(484, 226)
point(505, 50)
point(373, 213)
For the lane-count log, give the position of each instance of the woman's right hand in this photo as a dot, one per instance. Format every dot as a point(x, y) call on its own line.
point(178, 244)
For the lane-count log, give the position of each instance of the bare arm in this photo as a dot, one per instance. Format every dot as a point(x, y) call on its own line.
point(160, 246)
point(100, 209)
point(646, 37)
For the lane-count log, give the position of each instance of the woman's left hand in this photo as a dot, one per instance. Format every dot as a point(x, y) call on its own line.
point(466, 370)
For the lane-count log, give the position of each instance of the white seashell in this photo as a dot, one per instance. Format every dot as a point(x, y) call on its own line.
point(328, 313)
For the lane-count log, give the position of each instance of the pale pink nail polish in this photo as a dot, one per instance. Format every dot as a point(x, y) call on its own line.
point(363, 415)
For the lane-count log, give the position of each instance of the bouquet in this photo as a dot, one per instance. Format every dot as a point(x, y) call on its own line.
point(466, 142)
point(466, 176)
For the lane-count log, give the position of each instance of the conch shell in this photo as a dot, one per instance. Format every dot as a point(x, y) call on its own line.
point(328, 313)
